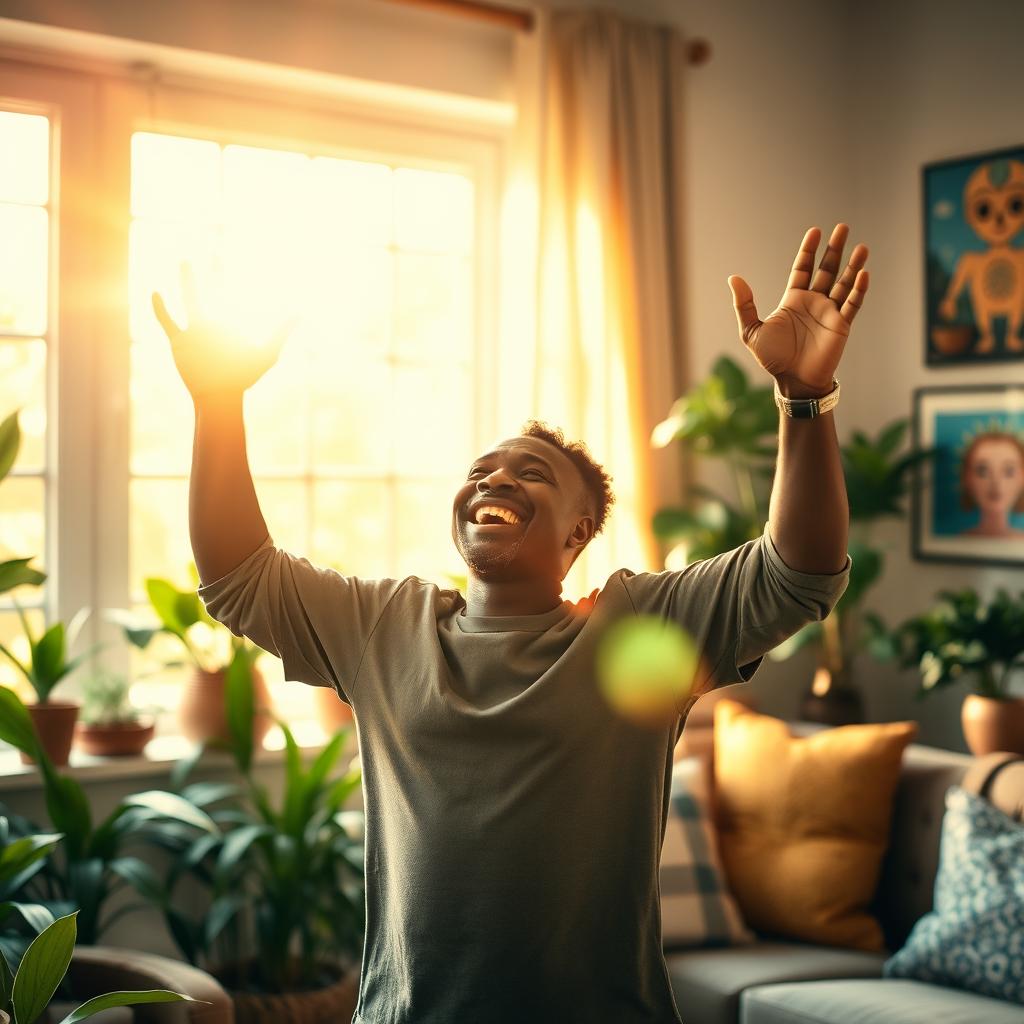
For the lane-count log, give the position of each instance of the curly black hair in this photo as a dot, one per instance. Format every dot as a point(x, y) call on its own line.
point(597, 483)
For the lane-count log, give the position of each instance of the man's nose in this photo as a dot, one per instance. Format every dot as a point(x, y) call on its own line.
point(496, 478)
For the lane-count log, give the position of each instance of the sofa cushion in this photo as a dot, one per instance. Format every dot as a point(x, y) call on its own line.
point(871, 1002)
point(707, 982)
point(697, 908)
point(974, 938)
point(804, 821)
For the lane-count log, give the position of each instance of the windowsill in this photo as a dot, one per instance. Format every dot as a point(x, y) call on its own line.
point(160, 754)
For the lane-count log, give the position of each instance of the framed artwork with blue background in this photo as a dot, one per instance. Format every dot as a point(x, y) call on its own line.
point(974, 258)
point(968, 502)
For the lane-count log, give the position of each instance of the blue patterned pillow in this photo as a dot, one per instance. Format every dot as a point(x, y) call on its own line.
point(974, 937)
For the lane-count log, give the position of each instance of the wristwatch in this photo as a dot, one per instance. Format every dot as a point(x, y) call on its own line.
point(807, 408)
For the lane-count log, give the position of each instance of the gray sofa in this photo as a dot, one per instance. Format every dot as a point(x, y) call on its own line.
point(776, 981)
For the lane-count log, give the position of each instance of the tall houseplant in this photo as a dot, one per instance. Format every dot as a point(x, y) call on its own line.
point(210, 649)
point(962, 638)
point(286, 908)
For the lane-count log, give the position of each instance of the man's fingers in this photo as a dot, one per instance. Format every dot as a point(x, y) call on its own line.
point(856, 299)
point(800, 275)
point(829, 266)
point(842, 287)
point(743, 303)
point(167, 322)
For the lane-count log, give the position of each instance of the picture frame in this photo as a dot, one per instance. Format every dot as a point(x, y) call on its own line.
point(968, 500)
point(974, 258)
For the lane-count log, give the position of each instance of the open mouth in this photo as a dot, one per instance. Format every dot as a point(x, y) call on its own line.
point(488, 518)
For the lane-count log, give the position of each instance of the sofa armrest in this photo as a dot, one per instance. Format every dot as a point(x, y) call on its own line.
point(95, 970)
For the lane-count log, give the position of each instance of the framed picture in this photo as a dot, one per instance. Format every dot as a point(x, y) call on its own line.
point(974, 258)
point(968, 501)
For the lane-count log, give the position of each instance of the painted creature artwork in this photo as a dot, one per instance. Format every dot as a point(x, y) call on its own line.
point(974, 258)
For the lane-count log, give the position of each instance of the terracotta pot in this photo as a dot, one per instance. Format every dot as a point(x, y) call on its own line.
point(332, 712)
point(333, 1004)
point(202, 713)
point(118, 739)
point(54, 723)
point(991, 725)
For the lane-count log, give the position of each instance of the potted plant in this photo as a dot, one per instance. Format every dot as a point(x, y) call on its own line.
point(283, 927)
point(876, 472)
point(47, 665)
point(14, 572)
point(95, 862)
point(211, 648)
point(109, 724)
point(964, 639)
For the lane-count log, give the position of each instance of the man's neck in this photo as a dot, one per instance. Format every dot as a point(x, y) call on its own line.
point(511, 597)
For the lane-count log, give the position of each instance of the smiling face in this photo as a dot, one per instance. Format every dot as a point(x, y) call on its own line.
point(993, 474)
point(540, 494)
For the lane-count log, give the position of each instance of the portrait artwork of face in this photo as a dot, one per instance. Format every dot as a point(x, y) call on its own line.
point(992, 481)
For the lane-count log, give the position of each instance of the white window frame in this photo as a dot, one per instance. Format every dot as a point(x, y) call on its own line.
point(98, 107)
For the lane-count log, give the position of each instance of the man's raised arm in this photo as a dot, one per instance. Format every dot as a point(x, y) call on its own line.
point(225, 521)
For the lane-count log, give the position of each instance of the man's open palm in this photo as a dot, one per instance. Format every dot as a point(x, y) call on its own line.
point(212, 358)
point(803, 340)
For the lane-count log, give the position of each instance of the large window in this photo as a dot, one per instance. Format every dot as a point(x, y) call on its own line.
point(358, 437)
point(25, 224)
point(379, 235)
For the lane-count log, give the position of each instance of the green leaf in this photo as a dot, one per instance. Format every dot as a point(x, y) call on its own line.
point(237, 845)
point(10, 442)
point(164, 599)
point(891, 436)
point(48, 658)
point(734, 380)
point(68, 807)
point(105, 1002)
point(36, 916)
point(141, 876)
point(809, 634)
point(6, 985)
point(238, 689)
point(20, 853)
point(43, 966)
point(220, 914)
point(171, 805)
point(16, 724)
point(16, 573)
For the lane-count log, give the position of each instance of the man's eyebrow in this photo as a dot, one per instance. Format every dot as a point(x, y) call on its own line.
point(526, 457)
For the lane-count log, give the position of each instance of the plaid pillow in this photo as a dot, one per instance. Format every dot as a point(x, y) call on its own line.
point(697, 908)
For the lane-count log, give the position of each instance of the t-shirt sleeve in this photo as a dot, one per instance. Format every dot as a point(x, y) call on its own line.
point(317, 621)
point(737, 605)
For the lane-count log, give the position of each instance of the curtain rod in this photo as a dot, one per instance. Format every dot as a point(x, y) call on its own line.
point(698, 51)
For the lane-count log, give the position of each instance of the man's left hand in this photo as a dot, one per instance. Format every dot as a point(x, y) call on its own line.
point(801, 343)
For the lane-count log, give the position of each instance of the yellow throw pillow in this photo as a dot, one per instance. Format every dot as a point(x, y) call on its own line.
point(803, 822)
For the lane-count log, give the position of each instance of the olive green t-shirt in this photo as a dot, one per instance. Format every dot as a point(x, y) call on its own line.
point(514, 821)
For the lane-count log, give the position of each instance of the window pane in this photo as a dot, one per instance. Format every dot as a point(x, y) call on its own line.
point(353, 527)
point(350, 297)
point(175, 178)
point(433, 309)
point(23, 269)
point(432, 420)
point(22, 530)
point(285, 504)
point(433, 210)
point(162, 415)
point(24, 158)
point(354, 199)
point(263, 184)
point(276, 417)
point(23, 385)
point(12, 636)
point(425, 545)
point(159, 534)
point(351, 412)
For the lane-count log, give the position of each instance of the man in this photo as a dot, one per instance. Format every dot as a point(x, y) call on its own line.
point(514, 820)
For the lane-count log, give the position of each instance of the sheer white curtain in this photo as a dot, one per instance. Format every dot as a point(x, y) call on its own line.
point(610, 354)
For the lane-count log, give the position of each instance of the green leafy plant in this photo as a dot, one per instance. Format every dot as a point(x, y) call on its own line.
point(286, 891)
point(721, 418)
point(26, 994)
point(14, 572)
point(47, 663)
point(95, 862)
point(964, 639)
point(877, 475)
point(106, 700)
point(209, 644)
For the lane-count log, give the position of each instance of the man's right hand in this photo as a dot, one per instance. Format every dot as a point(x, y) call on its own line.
point(214, 360)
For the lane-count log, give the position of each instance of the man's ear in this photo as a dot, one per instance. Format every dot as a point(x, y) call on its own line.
point(582, 533)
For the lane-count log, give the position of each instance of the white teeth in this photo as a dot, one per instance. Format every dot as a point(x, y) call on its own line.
point(503, 513)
